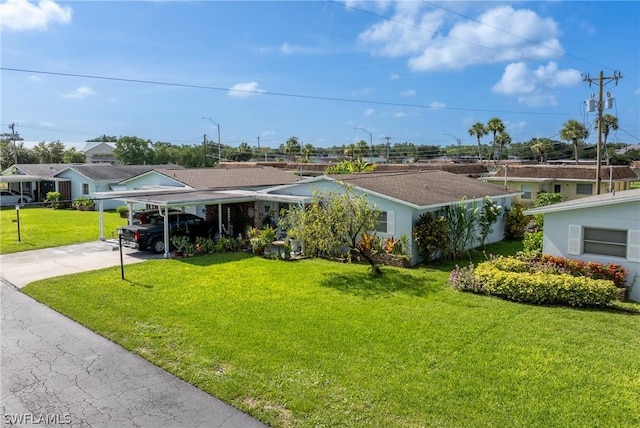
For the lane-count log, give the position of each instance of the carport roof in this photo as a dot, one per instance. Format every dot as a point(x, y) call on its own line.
point(180, 198)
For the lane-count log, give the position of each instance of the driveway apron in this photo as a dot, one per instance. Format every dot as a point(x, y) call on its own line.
point(55, 372)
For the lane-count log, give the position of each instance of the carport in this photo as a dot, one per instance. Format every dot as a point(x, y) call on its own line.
point(165, 199)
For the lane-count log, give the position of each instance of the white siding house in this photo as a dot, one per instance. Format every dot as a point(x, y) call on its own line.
point(603, 229)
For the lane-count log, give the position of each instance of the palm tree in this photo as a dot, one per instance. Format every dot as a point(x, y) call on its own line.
point(477, 130)
point(503, 139)
point(494, 125)
point(574, 132)
point(542, 147)
point(292, 146)
point(609, 122)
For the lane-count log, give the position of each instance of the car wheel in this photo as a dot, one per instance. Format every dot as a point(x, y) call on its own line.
point(158, 246)
point(22, 201)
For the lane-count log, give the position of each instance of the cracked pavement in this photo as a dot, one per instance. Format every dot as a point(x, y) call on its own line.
point(52, 367)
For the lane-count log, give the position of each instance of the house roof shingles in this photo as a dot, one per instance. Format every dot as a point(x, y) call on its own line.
point(565, 172)
point(115, 173)
point(217, 178)
point(424, 188)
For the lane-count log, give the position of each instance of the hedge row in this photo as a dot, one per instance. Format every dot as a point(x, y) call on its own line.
point(544, 288)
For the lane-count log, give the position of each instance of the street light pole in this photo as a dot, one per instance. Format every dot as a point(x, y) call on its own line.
point(370, 142)
point(219, 145)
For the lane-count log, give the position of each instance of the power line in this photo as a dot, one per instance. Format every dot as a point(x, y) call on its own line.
point(279, 94)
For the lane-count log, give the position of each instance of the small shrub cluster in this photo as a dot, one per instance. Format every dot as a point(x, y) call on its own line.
point(204, 245)
point(387, 251)
point(550, 264)
point(516, 222)
point(542, 280)
point(541, 288)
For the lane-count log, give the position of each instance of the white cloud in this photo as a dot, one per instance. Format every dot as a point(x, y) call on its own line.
point(79, 93)
point(34, 78)
point(399, 115)
point(21, 15)
point(408, 93)
point(534, 87)
point(394, 76)
point(437, 105)
point(369, 112)
point(499, 34)
point(245, 89)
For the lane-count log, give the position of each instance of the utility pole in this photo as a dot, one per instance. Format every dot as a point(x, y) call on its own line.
point(204, 149)
point(12, 127)
point(601, 83)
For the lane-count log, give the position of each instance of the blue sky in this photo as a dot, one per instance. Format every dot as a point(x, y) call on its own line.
point(420, 72)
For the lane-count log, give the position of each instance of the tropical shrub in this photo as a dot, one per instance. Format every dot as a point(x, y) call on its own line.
point(516, 222)
point(532, 242)
point(488, 215)
point(431, 236)
point(123, 210)
point(461, 221)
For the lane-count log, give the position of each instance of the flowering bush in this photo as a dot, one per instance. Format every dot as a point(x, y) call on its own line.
point(551, 264)
point(464, 279)
point(542, 279)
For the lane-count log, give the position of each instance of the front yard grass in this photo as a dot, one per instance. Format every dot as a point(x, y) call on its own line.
point(317, 343)
point(46, 228)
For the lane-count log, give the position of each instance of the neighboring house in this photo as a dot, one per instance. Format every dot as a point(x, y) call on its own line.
point(36, 180)
point(573, 181)
point(603, 228)
point(404, 196)
point(87, 179)
point(99, 152)
point(225, 196)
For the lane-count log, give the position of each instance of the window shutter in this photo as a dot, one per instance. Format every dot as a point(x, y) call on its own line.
point(633, 245)
point(391, 222)
point(575, 239)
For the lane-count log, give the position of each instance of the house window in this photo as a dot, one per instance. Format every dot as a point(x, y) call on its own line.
point(526, 191)
point(606, 242)
point(385, 223)
point(584, 189)
point(557, 188)
point(85, 188)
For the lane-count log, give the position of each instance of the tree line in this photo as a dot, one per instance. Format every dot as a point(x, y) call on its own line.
point(134, 150)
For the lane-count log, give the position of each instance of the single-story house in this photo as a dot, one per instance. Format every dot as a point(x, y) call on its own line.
point(36, 180)
point(603, 228)
point(87, 179)
point(573, 181)
point(404, 196)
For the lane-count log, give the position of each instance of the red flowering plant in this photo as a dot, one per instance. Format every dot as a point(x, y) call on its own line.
point(608, 271)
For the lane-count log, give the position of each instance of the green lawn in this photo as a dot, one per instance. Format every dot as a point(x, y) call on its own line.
point(45, 228)
point(317, 343)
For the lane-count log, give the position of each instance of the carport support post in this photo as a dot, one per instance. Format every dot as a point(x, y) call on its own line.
point(220, 220)
point(167, 240)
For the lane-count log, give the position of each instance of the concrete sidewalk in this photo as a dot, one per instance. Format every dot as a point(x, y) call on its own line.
point(53, 369)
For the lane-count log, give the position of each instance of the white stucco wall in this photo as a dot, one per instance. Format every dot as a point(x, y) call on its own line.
point(620, 216)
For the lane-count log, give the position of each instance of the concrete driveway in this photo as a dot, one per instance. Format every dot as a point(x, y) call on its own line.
point(55, 372)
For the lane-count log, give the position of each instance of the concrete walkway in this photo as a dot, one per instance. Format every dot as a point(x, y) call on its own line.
point(55, 372)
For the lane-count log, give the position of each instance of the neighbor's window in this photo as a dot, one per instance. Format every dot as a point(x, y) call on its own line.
point(85, 188)
point(557, 188)
point(526, 189)
point(385, 222)
point(605, 242)
point(584, 189)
